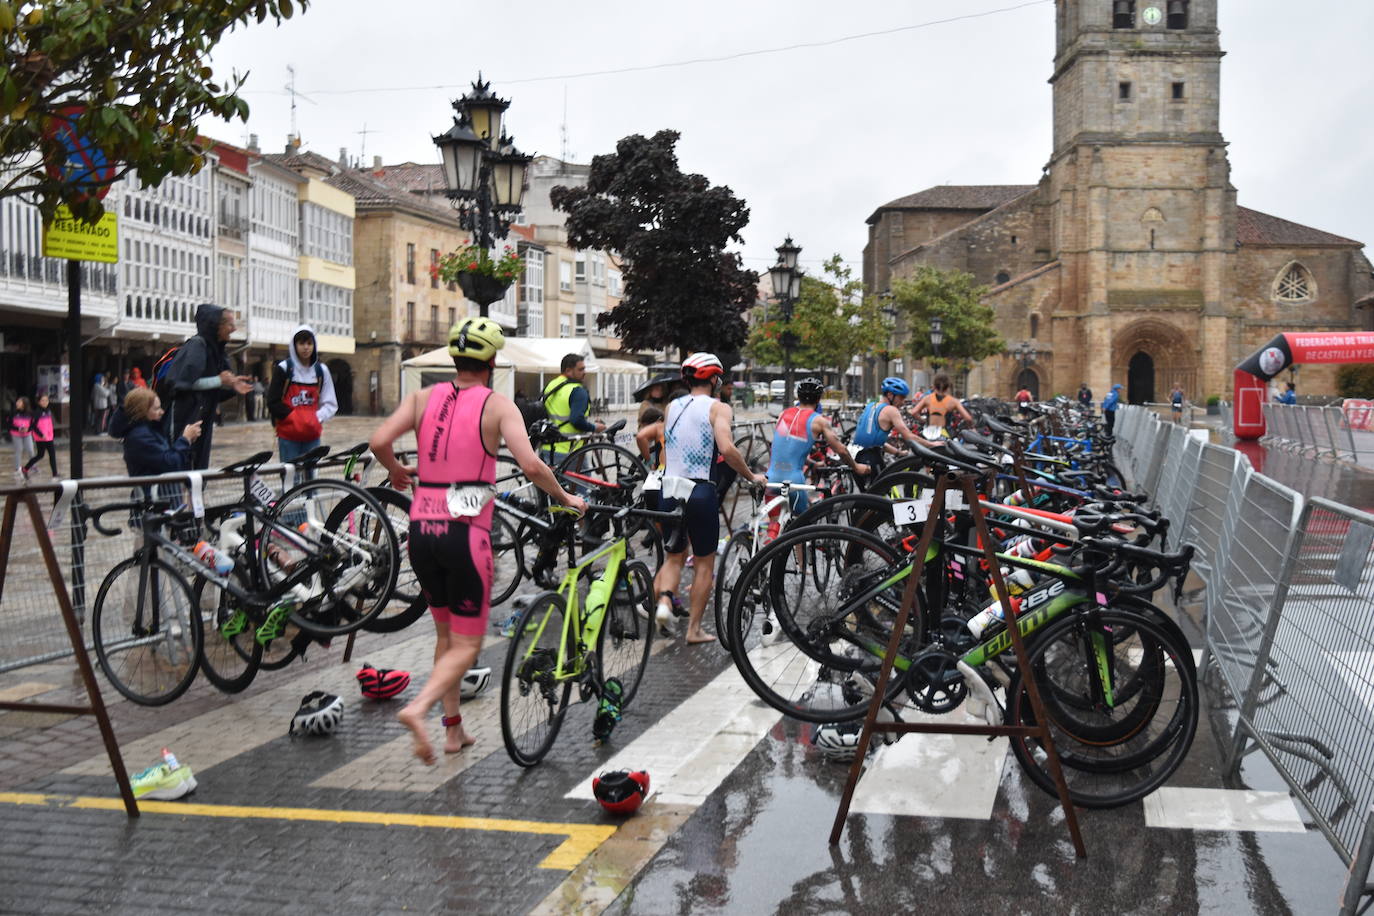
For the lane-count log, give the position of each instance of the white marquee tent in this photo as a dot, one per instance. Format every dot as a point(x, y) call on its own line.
point(527, 363)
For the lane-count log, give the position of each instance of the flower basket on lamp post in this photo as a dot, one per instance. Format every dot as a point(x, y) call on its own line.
point(482, 289)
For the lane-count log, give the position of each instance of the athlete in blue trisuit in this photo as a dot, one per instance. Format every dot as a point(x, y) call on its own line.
point(798, 427)
point(880, 421)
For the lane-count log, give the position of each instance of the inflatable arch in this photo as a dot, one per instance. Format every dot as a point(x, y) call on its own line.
point(1277, 355)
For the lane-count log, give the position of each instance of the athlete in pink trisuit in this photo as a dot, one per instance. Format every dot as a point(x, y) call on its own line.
point(459, 428)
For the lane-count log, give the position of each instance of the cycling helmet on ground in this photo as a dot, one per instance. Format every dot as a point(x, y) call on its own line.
point(810, 390)
point(621, 791)
point(320, 714)
point(701, 366)
point(839, 741)
point(475, 338)
point(894, 385)
point(475, 682)
point(381, 683)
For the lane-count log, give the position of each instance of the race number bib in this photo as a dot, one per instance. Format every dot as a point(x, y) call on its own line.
point(468, 500)
point(261, 491)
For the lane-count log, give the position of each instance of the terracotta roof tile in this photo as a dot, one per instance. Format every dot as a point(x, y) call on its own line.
point(957, 197)
point(413, 177)
point(1256, 228)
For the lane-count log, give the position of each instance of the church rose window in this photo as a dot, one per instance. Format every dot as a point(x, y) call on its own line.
point(1295, 284)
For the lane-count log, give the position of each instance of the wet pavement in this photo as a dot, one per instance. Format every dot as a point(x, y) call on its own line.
point(738, 823)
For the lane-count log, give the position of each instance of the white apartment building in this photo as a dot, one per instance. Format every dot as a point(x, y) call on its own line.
point(166, 257)
point(273, 255)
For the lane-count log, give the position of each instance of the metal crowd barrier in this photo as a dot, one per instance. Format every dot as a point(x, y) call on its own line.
point(1289, 606)
point(1320, 430)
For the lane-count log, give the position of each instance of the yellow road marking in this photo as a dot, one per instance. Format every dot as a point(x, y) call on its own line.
point(24, 690)
point(580, 839)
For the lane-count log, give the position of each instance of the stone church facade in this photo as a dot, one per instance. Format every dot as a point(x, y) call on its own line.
point(1130, 261)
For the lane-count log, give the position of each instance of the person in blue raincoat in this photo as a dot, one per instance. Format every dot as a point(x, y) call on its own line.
point(1109, 405)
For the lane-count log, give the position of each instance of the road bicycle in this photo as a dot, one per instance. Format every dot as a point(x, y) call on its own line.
point(1117, 674)
point(321, 558)
point(594, 632)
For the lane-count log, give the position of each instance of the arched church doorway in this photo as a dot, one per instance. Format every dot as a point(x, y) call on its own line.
point(342, 373)
point(1028, 380)
point(1140, 379)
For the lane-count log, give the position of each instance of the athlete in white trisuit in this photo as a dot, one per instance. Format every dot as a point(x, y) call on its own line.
point(695, 428)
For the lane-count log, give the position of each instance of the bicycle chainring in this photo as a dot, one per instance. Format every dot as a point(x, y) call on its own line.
point(934, 683)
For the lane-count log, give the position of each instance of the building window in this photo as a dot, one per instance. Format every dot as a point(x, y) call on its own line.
point(1034, 327)
point(1013, 240)
point(1295, 284)
point(1123, 91)
point(1123, 14)
point(580, 271)
point(613, 283)
point(435, 332)
point(410, 262)
point(1176, 90)
point(434, 268)
point(410, 321)
point(1178, 14)
point(565, 276)
point(452, 317)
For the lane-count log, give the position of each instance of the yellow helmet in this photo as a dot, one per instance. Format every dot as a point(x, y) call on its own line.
point(475, 338)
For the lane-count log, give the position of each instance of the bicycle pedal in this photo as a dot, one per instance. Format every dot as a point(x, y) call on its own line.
point(234, 625)
point(274, 626)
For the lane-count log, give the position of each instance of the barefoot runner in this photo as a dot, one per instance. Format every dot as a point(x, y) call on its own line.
point(459, 427)
point(694, 429)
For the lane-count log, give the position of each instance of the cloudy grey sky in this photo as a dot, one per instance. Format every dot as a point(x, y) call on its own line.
point(813, 138)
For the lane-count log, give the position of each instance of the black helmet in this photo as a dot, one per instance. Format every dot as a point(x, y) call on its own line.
point(810, 390)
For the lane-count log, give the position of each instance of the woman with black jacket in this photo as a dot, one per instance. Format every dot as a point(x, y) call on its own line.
point(146, 449)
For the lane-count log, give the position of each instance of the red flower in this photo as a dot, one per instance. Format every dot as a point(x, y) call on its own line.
point(472, 266)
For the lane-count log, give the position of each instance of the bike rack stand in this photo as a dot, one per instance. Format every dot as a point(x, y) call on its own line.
point(96, 705)
point(966, 484)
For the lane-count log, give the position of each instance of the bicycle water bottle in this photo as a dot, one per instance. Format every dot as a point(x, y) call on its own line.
point(170, 759)
point(597, 596)
point(221, 563)
point(990, 615)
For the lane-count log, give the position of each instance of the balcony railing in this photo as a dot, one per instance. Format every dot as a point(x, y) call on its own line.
point(426, 332)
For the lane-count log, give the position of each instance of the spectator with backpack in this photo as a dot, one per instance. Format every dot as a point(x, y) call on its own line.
point(194, 377)
point(300, 398)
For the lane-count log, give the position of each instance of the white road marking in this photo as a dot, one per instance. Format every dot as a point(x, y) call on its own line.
point(1222, 809)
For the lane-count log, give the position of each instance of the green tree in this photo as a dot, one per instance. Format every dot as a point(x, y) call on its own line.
point(969, 336)
point(831, 321)
point(682, 288)
point(133, 76)
point(1355, 380)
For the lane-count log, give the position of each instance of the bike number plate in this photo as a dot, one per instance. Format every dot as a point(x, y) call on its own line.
point(911, 511)
point(261, 491)
point(468, 501)
point(654, 482)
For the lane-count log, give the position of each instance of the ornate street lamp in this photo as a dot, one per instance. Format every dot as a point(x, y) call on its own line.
point(486, 177)
point(937, 337)
point(786, 279)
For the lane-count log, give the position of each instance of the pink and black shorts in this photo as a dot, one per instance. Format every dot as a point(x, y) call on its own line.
point(453, 563)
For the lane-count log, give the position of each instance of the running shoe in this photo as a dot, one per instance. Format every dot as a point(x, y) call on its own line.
point(163, 783)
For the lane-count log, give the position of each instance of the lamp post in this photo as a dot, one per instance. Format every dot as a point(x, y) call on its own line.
point(889, 313)
point(787, 290)
point(937, 337)
point(1025, 352)
point(485, 176)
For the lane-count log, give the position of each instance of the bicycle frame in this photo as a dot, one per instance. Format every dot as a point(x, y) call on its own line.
point(586, 630)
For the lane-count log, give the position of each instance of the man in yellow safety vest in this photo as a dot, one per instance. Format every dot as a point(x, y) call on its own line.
point(566, 400)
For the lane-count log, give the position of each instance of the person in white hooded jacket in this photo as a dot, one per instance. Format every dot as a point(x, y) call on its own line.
point(300, 399)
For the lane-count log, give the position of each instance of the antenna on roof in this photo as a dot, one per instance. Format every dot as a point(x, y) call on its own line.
point(362, 156)
point(563, 128)
point(290, 88)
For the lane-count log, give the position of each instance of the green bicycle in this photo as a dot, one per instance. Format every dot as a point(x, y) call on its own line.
point(595, 631)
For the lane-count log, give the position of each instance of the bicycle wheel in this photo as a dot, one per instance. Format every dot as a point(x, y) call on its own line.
point(508, 559)
point(1102, 771)
point(229, 662)
point(866, 511)
point(147, 633)
point(892, 484)
point(807, 650)
point(627, 632)
point(608, 472)
point(343, 534)
point(739, 550)
point(407, 604)
point(533, 698)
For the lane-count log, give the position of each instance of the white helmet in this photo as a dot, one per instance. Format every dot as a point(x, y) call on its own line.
point(839, 741)
point(475, 682)
point(701, 366)
point(320, 714)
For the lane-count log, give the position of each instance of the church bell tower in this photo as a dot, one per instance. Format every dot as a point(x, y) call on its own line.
point(1142, 211)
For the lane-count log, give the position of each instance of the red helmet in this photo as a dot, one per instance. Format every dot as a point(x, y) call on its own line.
point(381, 683)
point(621, 791)
point(701, 366)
